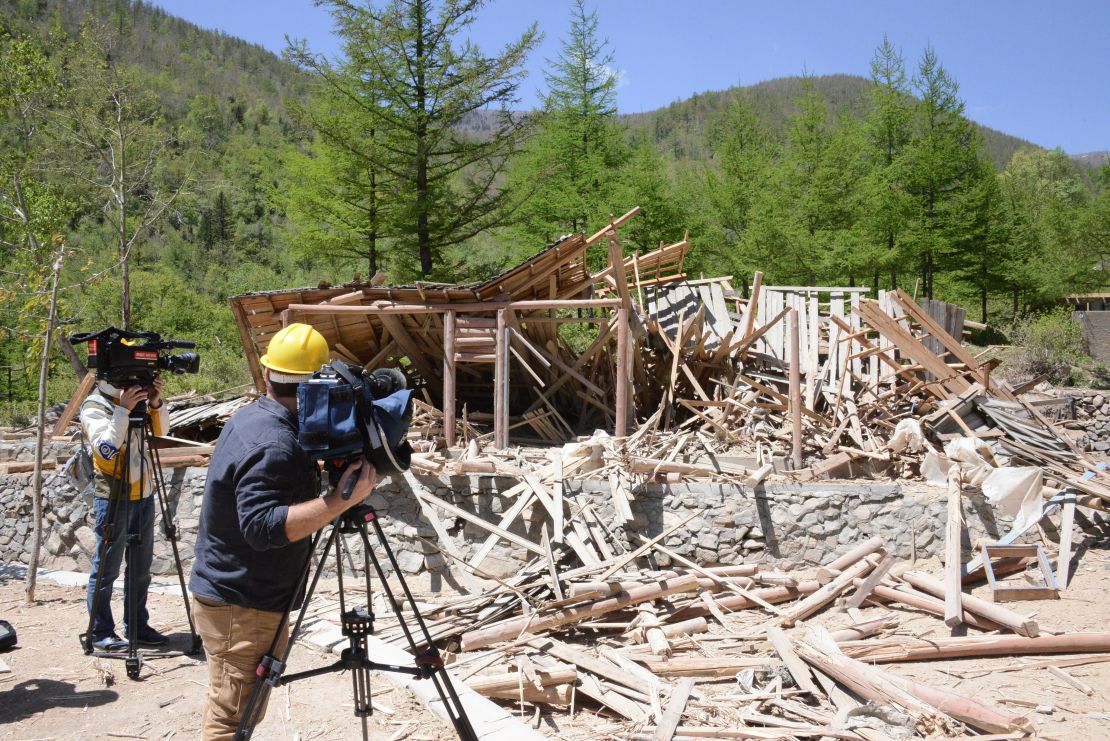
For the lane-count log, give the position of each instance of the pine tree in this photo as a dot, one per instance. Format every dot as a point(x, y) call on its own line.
point(885, 205)
point(571, 167)
point(445, 188)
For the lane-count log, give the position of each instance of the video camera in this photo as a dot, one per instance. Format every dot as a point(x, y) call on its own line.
point(126, 359)
point(346, 413)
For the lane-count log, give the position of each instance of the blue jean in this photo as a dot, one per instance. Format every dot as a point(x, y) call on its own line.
point(139, 553)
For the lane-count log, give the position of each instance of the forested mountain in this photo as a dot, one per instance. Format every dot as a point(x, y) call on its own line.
point(681, 128)
point(252, 172)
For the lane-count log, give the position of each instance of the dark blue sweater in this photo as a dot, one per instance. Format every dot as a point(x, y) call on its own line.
point(258, 471)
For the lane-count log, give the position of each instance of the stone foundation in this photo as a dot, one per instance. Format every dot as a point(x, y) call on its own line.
point(782, 525)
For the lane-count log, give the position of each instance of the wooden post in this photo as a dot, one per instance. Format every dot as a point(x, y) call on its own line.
point(449, 378)
point(795, 390)
point(623, 367)
point(501, 385)
point(953, 561)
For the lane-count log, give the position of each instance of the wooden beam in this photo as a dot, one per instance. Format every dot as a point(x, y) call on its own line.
point(623, 371)
point(449, 378)
point(243, 326)
point(380, 308)
point(675, 707)
point(616, 264)
point(412, 351)
point(83, 390)
point(795, 392)
point(501, 385)
point(953, 562)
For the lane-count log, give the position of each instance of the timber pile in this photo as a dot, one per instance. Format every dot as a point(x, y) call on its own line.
point(731, 651)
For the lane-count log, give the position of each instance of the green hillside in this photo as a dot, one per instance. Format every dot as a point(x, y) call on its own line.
point(680, 129)
point(786, 185)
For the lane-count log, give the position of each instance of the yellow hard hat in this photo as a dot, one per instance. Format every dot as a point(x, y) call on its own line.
point(295, 352)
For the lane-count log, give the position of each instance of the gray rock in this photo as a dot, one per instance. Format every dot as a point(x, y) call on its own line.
point(86, 538)
point(410, 562)
point(54, 545)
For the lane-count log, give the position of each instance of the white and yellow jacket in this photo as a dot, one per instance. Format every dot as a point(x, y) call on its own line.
point(105, 426)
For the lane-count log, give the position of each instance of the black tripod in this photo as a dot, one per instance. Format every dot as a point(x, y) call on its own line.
point(119, 510)
point(357, 623)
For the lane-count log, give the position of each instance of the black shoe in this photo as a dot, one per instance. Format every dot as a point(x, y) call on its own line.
point(148, 636)
point(111, 643)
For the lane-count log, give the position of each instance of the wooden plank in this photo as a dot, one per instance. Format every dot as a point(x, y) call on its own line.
point(1063, 561)
point(912, 347)
point(675, 707)
point(83, 390)
point(798, 668)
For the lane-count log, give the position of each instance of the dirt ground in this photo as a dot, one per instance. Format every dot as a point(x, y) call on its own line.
point(55, 691)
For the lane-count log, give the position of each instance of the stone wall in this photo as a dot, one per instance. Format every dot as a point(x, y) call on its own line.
point(1089, 415)
point(787, 525)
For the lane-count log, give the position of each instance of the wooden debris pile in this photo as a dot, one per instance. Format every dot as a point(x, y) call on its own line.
point(731, 651)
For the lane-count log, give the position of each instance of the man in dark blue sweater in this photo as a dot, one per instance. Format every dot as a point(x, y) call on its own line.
point(261, 503)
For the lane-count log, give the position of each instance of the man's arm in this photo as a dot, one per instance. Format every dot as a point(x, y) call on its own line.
point(305, 518)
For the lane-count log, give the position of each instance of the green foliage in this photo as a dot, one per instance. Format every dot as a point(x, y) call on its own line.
point(408, 82)
point(571, 168)
point(1046, 343)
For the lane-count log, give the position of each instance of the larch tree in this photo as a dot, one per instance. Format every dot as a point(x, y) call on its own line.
point(888, 126)
point(571, 168)
point(941, 162)
point(444, 187)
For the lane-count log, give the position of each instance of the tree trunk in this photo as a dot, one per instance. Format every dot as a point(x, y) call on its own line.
point(36, 477)
point(983, 304)
point(423, 238)
point(74, 361)
point(120, 177)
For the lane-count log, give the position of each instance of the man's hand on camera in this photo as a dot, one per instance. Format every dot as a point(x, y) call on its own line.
point(132, 396)
point(367, 480)
point(154, 392)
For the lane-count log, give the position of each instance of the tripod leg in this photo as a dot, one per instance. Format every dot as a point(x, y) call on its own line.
point(428, 659)
point(169, 529)
point(270, 669)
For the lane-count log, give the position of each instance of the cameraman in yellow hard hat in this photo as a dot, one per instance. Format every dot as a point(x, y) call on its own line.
point(261, 503)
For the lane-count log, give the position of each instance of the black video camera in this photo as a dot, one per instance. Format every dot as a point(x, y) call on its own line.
point(346, 413)
point(125, 359)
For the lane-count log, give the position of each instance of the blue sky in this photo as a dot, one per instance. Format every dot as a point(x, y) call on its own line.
point(1039, 70)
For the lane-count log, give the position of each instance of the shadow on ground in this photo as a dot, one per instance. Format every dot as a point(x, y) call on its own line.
point(39, 695)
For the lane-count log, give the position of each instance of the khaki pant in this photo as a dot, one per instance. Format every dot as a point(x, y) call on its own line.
point(235, 640)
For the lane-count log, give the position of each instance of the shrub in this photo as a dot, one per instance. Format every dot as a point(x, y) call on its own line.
point(1047, 343)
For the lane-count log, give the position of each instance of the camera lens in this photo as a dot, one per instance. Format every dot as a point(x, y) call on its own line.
point(186, 362)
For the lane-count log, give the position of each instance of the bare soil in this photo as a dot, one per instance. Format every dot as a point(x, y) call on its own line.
point(55, 691)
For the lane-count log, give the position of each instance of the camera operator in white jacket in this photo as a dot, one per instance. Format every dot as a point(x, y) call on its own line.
point(125, 499)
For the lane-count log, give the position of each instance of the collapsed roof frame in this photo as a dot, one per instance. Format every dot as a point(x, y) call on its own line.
point(440, 334)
